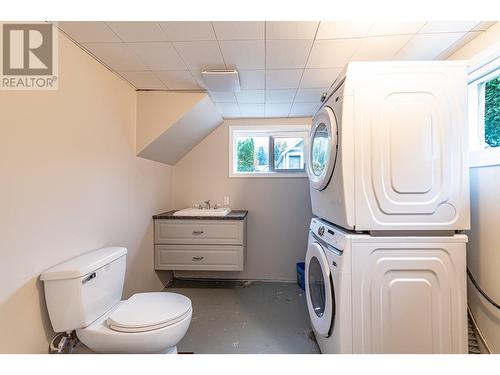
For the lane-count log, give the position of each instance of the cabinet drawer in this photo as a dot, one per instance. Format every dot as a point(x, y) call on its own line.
point(199, 257)
point(198, 232)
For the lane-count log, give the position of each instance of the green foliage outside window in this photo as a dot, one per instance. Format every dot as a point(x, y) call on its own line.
point(246, 155)
point(262, 158)
point(492, 113)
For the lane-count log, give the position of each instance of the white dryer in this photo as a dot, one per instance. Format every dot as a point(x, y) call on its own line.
point(388, 149)
point(369, 294)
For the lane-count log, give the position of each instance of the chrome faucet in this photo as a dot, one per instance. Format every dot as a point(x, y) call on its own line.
point(207, 204)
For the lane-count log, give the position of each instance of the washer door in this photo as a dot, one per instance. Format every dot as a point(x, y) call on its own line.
point(323, 148)
point(319, 290)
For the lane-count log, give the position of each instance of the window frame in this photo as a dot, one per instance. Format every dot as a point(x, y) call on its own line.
point(483, 68)
point(274, 131)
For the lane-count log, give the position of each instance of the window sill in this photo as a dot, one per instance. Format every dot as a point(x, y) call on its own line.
point(484, 158)
point(268, 175)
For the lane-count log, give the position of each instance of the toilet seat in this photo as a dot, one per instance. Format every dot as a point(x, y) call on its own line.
point(101, 338)
point(149, 311)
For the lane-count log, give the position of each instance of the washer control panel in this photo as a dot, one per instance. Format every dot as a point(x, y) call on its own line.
point(328, 233)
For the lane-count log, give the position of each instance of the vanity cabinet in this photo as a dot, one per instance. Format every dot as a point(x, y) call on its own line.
point(200, 243)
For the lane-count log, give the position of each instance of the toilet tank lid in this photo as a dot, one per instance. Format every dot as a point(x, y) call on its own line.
point(83, 264)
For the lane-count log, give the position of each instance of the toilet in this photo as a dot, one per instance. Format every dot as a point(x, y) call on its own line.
point(84, 293)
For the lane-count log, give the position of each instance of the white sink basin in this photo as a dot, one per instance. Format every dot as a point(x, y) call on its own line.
point(219, 212)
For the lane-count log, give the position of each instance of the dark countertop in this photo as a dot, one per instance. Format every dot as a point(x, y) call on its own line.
point(233, 215)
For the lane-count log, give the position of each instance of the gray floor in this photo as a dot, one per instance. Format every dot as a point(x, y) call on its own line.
point(246, 317)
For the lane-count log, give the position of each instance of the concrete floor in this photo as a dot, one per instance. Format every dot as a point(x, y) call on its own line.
point(246, 317)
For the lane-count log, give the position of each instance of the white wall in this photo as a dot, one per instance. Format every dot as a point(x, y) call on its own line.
point(483, 255)
point(279, 208)
point(70, 183)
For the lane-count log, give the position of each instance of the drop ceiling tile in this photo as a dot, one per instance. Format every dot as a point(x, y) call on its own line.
point(250, 96)
point(178, 80)
point(138, 31)
point(200, 55)
point(447, 27)
point(280, 96)
point(252, 109)
point(291, 29)
point(380, 47)
point(188, 31)
point(427, 46)
point(231, 115)
point(228, 107)
point(278, 109)
point(342, 29)
point(117, 56)
point(287, 54)
point(303, 109)
point(395, 28)
point(239, 30)
point(318, 78)
point(89, 31)
point(246, 54)
point(309, 95)
point(283, 79)
point(223, 96)
point(252, 79)
point(158, 55)
point(332, 53)
point(143, 80)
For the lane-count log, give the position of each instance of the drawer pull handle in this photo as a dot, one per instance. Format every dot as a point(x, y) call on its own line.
point(198, 232)
point(197, 259)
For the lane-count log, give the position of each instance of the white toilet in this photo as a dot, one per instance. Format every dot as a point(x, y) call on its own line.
point(84, 293)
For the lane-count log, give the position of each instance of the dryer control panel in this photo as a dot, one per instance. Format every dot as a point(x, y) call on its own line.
point(328, 233)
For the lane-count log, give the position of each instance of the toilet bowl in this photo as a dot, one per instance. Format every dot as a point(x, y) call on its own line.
point(83, 295)
point(145, 323)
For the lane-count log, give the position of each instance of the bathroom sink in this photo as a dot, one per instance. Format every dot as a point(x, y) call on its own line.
point(221, 212)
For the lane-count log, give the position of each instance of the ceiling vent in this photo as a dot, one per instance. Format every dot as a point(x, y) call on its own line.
point(221, 80)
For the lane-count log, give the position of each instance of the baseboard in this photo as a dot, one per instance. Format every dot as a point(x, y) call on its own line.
point(205, 278)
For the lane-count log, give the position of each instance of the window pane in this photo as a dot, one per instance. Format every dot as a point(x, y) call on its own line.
point(252, 154)
point(288, 153)
point(492, 112)
point(319, 149)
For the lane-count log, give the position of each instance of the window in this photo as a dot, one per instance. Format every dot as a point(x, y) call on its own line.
point(267, 152)
point(484, 111)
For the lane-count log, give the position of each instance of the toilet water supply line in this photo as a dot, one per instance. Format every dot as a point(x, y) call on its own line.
point(63, 342)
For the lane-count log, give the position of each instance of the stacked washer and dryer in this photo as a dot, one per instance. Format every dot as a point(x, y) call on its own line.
point(388, 171)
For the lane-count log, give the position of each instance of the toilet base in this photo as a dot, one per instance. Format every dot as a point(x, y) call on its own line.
point(172, 350)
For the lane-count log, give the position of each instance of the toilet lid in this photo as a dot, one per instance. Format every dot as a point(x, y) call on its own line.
point(149, 311)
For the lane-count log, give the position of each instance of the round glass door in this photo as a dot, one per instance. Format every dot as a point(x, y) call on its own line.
point(319, 290)
point(316, 287)
point(323, 148)
point(320, 149)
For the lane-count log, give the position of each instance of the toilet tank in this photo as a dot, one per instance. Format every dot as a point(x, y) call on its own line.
point(81, 289)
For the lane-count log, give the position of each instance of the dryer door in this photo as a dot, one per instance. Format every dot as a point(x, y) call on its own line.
point(319, 290)
point(323, 148)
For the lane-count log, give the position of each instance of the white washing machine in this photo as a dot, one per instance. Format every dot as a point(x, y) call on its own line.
point(369, 294)
point(388, 149)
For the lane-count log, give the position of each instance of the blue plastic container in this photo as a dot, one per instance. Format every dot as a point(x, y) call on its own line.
point(301, 278)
